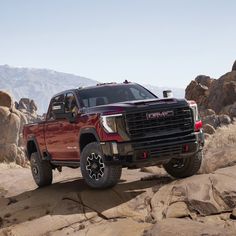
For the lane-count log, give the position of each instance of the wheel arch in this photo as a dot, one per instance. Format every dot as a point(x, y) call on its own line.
point(32, 146)
point(87, 135)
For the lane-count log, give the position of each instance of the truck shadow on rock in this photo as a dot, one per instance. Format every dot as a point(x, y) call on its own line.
point(73, 198)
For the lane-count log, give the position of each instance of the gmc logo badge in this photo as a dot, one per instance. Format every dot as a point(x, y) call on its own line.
point(159, 115)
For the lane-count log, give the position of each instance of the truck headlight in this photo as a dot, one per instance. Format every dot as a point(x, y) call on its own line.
point(109, 122)
point(195, 111)
point(197, 120)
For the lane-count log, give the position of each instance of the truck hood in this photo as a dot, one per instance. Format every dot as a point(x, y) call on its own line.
point(147, 104)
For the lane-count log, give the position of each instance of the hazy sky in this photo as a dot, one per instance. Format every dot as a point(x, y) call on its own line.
point(164, 43)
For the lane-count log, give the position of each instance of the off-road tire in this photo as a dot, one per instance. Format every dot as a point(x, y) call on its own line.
point(41, 170)
point(107, 175)
point(189, 167)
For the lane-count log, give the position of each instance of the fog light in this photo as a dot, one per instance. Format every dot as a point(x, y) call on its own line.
point(186, 148)
point(145, 155)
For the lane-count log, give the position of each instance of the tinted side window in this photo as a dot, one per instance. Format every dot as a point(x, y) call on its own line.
point(70, 103)
point(95, 101)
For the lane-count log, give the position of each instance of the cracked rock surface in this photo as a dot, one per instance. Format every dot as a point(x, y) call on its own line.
point(141, 204)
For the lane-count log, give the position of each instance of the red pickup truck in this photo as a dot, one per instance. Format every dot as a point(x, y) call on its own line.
point(109, 126)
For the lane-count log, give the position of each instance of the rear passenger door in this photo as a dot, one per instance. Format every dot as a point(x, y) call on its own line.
point(53, 135)
point(69, 133)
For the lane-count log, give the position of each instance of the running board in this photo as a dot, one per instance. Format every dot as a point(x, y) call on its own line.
point(66, 163)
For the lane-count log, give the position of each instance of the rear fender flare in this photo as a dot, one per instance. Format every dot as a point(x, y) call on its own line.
point(33, 139)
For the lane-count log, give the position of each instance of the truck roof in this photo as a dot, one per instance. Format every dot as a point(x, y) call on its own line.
point(93, 86)
point(105, 84)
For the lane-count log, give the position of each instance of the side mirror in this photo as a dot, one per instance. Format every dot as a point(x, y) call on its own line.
point(167, 94)
point(59, 112)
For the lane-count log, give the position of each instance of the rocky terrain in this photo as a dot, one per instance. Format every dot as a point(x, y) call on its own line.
point(141, 204)
point(146, 202)
point(13, 116)
point(216, 99)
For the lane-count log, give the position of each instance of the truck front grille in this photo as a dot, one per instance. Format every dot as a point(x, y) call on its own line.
point(164, 146)
point(180, 122)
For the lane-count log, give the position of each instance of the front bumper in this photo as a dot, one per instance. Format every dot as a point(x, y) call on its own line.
point(152, 151)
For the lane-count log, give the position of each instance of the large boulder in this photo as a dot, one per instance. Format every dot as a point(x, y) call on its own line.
point(204, 195)
point(209, 129)
point(204, 80)
point(12, 122)
point(29, 109)
point(234, 66)
point(10, 127)
point(232, 110)
point(212, 120)
point(216, 94)
point(224, 119)
point(6, 99)
point(220, 149)
point(197, 92)
point(27, 104)
point(222, 92)
point(206, 112)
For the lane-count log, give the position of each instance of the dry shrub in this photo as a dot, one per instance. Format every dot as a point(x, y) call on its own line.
point(10, 165)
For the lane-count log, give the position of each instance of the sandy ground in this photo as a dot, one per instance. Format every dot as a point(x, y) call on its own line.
point(141, 203)
point(69, 202)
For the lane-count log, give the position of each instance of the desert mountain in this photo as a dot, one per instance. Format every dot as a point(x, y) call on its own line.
point(41, 84)
point(177, 92)
point(38, 84)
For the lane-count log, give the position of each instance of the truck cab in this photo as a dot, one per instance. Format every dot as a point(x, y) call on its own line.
point(107, 127)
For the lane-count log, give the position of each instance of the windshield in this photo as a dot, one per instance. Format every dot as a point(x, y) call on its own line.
point(113, 94)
